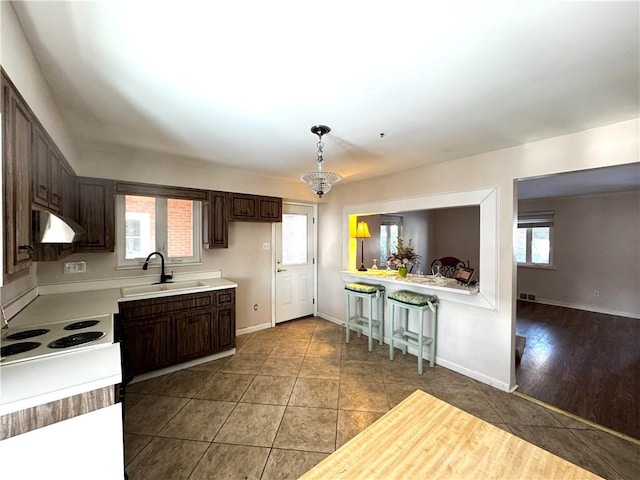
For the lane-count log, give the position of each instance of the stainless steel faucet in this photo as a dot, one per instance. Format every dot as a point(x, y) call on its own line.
point(164, 278)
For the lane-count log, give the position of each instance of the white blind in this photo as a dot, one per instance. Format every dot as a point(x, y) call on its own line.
point(535, 219)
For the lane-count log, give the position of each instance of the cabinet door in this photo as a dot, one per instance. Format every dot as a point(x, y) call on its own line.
point(226, 328)
point(45, 170)
point(215, 221)
point(244, 207)
point(271, 209)
point(16, 146)
point(194, 335)
point(55, 166)
point(225, 324)
point(96, 214)
point(40, 167)
point(149, 344)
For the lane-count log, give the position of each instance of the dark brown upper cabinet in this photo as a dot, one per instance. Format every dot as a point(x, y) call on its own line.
point(46, 164)
point(17, 124)
point(96, 213)
point(254, 208)
point(215, 221)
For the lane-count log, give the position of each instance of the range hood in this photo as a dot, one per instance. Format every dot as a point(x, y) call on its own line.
point(50, 228)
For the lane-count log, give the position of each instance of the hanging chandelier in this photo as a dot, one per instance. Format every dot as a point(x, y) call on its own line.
point(320, 181)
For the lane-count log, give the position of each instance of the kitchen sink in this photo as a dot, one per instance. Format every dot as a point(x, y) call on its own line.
point(162, 288)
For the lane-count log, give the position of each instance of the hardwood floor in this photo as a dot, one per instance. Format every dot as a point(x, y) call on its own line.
point(584, 363)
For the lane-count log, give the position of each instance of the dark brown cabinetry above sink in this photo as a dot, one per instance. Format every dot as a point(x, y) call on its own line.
point(160, 332)
point(37, 175)
point(215, 220)
point(255, 208)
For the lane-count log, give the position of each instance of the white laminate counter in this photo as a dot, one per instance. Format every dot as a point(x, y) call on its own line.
point(448, 291)
point(67, 306)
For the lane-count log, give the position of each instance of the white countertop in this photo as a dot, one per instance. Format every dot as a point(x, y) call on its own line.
point(40, 380)
point(450, 292)
point(67, 306)
point(427, 281)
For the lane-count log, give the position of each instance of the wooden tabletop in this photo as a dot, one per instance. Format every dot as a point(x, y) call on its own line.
point(424, 437)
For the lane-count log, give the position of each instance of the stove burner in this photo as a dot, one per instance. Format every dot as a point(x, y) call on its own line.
point(16, 348)
point(75, 339)
point(36, 332)
point(82, 324)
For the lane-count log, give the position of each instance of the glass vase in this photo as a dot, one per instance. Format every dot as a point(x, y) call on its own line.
point(403, 270)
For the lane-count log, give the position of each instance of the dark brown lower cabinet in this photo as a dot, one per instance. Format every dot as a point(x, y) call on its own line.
point(160, 332)
point(149, 344)
point(194, 335)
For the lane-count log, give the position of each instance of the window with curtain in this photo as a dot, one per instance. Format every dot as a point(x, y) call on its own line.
point(534, 239)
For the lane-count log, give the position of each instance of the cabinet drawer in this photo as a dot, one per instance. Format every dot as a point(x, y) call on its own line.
point(225, 297)
point(164, 305)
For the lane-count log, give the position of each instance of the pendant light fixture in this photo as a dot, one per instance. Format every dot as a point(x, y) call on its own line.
point(320, 181)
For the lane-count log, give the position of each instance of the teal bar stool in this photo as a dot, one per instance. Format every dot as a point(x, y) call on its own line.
point(407, 301)
point(357, 320)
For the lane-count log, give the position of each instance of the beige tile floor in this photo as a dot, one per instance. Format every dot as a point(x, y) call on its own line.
point(293, 394)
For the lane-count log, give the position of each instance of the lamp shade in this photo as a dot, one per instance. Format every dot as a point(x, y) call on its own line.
point(362, 230)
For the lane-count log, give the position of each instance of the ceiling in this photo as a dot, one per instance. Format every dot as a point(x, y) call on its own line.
point(401, 84)
point(619, 178)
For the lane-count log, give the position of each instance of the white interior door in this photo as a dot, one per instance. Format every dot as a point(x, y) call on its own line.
point(295, 263)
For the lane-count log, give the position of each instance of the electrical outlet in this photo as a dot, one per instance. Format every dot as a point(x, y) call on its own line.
point(75, 267)
point(266, 246)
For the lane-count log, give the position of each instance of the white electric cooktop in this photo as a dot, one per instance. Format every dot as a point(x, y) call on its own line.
point(58, 338)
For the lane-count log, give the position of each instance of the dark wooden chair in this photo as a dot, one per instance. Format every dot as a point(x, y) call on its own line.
point(448, 265)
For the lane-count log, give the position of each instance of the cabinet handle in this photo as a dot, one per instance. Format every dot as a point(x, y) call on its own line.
point(28, 248)
point(282, 270)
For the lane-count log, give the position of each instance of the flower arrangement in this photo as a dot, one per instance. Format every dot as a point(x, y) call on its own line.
point(404, 254)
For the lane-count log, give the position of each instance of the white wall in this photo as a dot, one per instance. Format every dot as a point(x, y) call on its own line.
point(23, 69)
point(596, 245)
point(244, 261)
point(457, 234)
point(21, 66)
point(475, 341)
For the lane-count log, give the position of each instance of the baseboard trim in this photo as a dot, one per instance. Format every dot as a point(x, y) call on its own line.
point(587, 308)
point(475, 375)
point(253, 328)
point(331, 319)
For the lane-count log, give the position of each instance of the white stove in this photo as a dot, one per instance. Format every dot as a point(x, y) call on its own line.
point(57, 338)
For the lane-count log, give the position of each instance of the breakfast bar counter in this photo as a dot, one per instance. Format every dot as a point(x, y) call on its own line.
point(424, 437)
point(445, 288)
